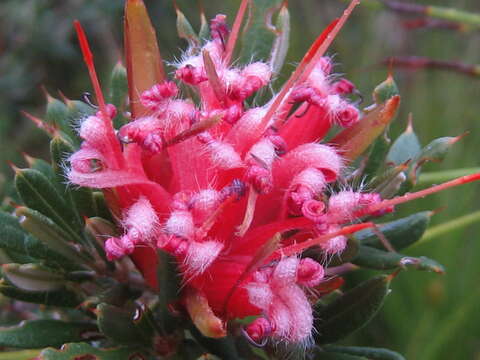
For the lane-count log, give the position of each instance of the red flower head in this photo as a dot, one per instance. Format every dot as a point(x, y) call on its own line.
point(234, 193)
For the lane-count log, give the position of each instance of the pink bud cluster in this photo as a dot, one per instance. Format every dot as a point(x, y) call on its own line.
point(213, 182)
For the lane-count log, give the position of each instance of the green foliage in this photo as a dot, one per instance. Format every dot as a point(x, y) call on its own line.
point(43, 333)
point(352, 310)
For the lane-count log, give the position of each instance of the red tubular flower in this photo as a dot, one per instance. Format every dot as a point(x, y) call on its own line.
point(221, 187)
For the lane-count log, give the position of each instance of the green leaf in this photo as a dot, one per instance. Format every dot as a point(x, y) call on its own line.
point(369, 352)
point(62, 297)
point(86, 351)
point(400, 233)
point(118, 325)
point(351, 311)
point(257, 39)
point(15, 240)
point(43, 333)
point(222, 347)
point(80, 198)
point(19, 355)
point(346, 255)
point(58, 115)
point(282, 40)
point(405, 148)
point(45, 230)
point(385, 90)
point(382, 260)
point(169, 284)
point(33, 277)
point(119, 92)
point(377, 155)
point(185, 30)
point(39, 194)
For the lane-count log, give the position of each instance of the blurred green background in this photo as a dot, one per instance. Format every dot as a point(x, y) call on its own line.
point(427, 316)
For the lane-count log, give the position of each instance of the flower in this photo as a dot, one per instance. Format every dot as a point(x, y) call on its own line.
point(235, 194)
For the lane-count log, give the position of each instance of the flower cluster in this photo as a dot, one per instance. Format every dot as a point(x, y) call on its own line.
point(235, 192)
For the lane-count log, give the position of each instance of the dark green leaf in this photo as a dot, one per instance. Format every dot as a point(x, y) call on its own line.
point(15, 241)
point(382, 260)
point(118, 325)
point(282, 40)
point(222, 347)
point(185, 30)
point(351, 311)
point(346, 255)
point(39, 194)
point(45, 230)
point(369, 352)
point(32, 277)
point(399, 233)
point(80, 199)
point(169, 283)
point(119, 92)
point(257, 40)
point(62, 297)
point(377, 155)
point(86, 351)
point(43, 333)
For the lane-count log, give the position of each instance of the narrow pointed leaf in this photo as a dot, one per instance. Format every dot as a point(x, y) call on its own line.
point(353, 141)
point(118, 92)
point(39, 194)
point(400, 233)
point(43, 333)
point(32, 277)
point(257, 39)
point(80, 198)
point(372, 258)
point(45, 230)
point(376, 156)
point(282, 40)
point(185, 30)
point(368, 352)
point(351, 311)
point(62, 297)
point(144, 63)
point(13, 238)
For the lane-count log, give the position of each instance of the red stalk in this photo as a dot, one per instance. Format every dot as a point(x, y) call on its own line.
point(88, 58)
point(232, 39)
point(422, 193)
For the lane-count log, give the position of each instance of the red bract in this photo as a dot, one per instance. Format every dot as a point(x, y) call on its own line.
point(234, 193)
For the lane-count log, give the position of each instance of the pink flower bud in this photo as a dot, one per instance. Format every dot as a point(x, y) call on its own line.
point(310, 273)
point(219, 28)
point(116, 248)
point(190, 74)
point(313, 210)
point(342, 87)
point(258, 330)
point(154, 98)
